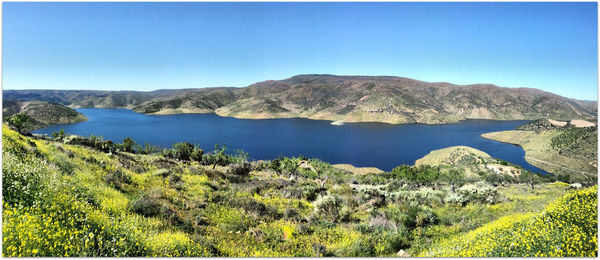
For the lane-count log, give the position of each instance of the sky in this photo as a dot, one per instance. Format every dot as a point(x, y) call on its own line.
point(148, 46)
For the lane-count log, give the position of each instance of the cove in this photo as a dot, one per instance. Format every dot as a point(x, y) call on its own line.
point(378, 145)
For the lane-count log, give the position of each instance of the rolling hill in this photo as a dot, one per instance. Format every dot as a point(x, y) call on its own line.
point(42, 113)
point(347, 98)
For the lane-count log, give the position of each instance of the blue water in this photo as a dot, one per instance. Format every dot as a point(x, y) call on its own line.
point(379, 145)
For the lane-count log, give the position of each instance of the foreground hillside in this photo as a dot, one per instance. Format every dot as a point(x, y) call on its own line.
point(74, 196)
point(557, 148)
point(345, 98)
point(42, 113)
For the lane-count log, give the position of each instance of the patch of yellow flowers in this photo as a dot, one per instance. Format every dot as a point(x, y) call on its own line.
point(567, 227)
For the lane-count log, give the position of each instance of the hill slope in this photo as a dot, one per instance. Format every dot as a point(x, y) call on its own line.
point(63, 198)
point(42, 113)
point(346, 98)
point(572, 150)
point(566, 226)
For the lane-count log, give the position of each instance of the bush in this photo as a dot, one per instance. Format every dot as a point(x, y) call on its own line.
point(479, 192)
point(117, 179)
point(423, 175)
point(59, 135)
point(147, 206)
point(128, 145)
point(328, 207)
point(240, 169)
point(183, 151)
point(239, 172)
point(197, 155)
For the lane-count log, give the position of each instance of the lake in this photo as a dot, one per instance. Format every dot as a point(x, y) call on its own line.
point(378, 145)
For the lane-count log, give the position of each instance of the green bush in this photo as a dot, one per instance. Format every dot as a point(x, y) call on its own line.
point(117, 179)
point(328, 207)
point(197, 154)
point(147, 206)
point(479, 192)
point(183, 151)
point(128, 145)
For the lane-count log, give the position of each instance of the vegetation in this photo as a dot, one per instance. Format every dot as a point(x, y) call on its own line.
point(19, 121)
point(38, 114)
point(566, 151)
point(76, 196)
point(567, 227)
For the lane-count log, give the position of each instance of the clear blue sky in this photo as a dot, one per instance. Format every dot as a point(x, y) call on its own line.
point(147, 46)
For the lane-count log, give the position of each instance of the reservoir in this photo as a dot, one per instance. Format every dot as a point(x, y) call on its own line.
point(380, 145)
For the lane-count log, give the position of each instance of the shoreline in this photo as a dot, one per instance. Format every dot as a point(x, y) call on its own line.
point(262, 117)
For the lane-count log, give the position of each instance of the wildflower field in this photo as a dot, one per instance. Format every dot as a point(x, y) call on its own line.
point(68, 199)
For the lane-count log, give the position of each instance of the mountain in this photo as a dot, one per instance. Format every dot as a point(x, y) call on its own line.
point(42, 113)
point(346, 98)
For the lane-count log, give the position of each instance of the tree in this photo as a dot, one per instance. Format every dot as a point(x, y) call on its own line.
point(197, 154)
point(59, 135)
point(454, 177)
point(183, 151)
point(529, 178)
point(128, 145)
point(19, 121)
point(219, 154)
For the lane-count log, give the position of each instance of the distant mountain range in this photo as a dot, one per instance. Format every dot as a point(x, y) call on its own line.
point(346, 98)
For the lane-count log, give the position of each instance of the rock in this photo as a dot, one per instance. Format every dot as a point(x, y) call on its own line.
point(403, 253)
point(575, 186)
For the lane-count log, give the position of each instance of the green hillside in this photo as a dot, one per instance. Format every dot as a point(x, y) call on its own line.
point(565, 150)
point(75, 196)
point(41, 113)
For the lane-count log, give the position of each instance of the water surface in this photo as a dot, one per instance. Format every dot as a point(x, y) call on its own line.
point(379, 145)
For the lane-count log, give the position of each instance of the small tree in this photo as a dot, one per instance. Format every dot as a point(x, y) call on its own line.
point(219, 154)
point(128, 145)
point(529, 178)
point(197, 154)
point(19, 121)
point(454, 177)
point(59, 135)
point(183, 151)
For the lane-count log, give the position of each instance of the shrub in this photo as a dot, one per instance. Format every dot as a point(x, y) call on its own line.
point(239, 172)
point(146, 206)
point(455, 198)
point(479, 192)
point(328, 207)
point(117, 179)
point(424, 174)
point(128, 145)
point(197, 155)
point(183, 151)
point(65, 165)
point(59, 135)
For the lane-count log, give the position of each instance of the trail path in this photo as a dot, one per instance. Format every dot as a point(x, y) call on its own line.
point(562, 167)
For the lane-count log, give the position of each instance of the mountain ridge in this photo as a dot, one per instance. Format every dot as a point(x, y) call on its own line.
point(388, 99)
